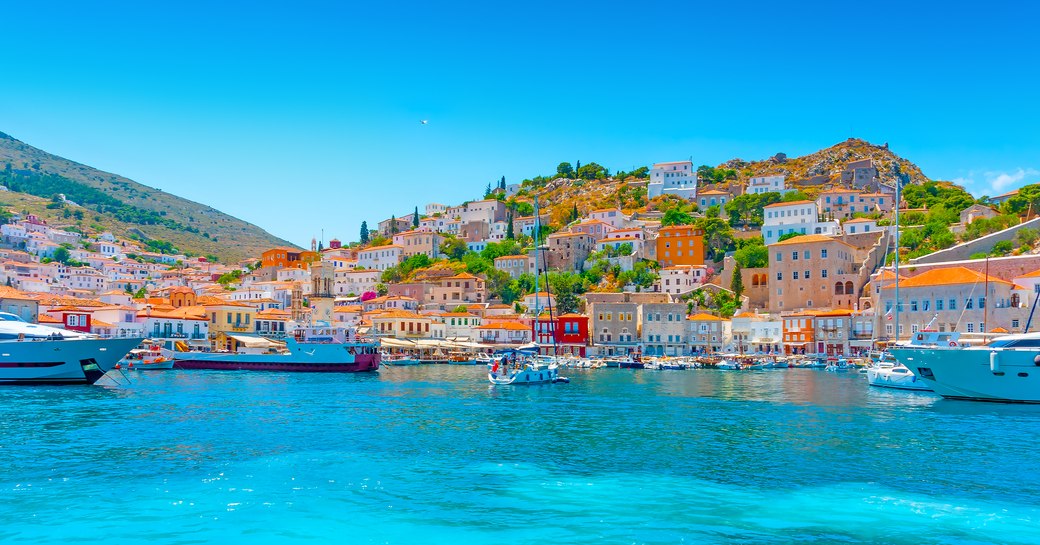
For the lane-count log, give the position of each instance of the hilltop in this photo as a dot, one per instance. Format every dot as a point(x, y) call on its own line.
point(102, 201)
point(812, 172)
point(825, 166)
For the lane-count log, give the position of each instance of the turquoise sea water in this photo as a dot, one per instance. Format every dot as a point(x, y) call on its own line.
point(434, 455)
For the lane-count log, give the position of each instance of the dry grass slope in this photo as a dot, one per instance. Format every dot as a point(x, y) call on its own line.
point(235, 239)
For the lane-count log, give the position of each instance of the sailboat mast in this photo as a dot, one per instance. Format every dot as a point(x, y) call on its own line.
point(537, 271)
point(985, 302)
point(896, 262)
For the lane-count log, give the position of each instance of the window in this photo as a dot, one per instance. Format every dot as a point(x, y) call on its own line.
point(823, 273)
point(982, 302)
point(780, 257)
point(926, 304)
point(982, 327)
point(971, 327)
point(913, 306)
point(806, 255)
point(794, 256)
point(969, 304)
point(806, 275)
point(794, 275)
point(823, 253)
point(1014, 324)
point(938, 304)
point(953, 304)
point(779, 276)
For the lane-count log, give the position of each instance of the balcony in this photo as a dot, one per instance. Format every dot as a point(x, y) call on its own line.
point(859, 334)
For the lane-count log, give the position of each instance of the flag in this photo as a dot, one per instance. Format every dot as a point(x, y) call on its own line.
point(888, 315)
point(494, 368)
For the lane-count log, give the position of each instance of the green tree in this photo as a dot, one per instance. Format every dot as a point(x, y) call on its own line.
point(786, 236)
point(509, 226)
point(454, 248)
point(364, 232)
point(393, 225)
point(676, 216)
point(62, 255)
point(1003, 247)
point(460, 308)
point(737, 284)
point(592, 171)
point(415, 218)
point(1027, 236)
point(751, 253)
point(564, 170)
point(718, 237)
point(381, 289)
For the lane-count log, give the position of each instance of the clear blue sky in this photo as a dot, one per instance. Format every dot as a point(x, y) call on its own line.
point(301, 116)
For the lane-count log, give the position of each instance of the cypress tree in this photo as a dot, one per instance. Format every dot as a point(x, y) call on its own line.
point(415, 218)
point(364, 232)
point(737, 284)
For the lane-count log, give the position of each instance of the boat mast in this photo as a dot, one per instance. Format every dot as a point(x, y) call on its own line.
point(896, 262)
point(985, 303)
point(537, 271)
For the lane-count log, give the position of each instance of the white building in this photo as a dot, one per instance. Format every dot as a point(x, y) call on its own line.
point(800, 217)
point(678, 178)
point(766, 184)
point(380, 258)
point(860, 225)
point(756, 334)
point(680, 279)
point(435, 208)
point(349, 281)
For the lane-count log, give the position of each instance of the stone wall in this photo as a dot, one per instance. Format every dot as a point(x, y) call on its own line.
point(983, 244)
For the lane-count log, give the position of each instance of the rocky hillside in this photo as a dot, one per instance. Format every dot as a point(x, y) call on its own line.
point(826, 165)
point(813, 172)
point(102, 201)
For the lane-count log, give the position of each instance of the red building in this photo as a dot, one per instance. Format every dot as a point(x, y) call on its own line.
point(569, 331)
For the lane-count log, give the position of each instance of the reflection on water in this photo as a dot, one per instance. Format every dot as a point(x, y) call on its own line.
point(434, 454)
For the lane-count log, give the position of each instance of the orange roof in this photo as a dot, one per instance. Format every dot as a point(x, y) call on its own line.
point(713, 192)
point(887, 274)
point(381, 247)
point(802, 239)
point(1032, 274)
point(616, 238)
point(462, 276)
point(947, 276)
point(518, 256)
point(778, 204)
point(702, 317)
point(562, 235)
point(457, 315)
point(860, 220)
point(99, 323)
point(47, 319)
point(539, 294)
point(398, 314)
point(998, 330)
point(839, 190)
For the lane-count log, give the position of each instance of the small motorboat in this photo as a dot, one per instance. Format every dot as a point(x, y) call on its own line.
point(149, 358)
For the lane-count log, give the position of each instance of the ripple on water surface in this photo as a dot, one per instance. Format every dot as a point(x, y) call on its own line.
point(434, 455)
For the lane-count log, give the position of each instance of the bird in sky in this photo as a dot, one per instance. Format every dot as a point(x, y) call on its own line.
point(423, 121)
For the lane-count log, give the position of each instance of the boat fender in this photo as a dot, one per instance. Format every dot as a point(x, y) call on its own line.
point(1036, 360)
point(994, 364)
point(953, 343)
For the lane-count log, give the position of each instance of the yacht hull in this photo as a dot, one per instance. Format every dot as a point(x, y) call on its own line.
point(976, 373)
point(69, 361)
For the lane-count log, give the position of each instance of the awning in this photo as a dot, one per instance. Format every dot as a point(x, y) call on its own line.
point(255, 342)
point(396, 343)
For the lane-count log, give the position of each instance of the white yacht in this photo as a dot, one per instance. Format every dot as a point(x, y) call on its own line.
point(39, 354)
point(887, 373)
point(1007, 369)
point(527, 371)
